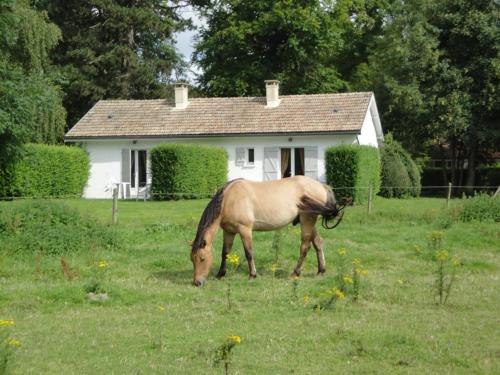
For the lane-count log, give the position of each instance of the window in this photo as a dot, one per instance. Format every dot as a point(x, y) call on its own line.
point(250, 156)
point(292, 162)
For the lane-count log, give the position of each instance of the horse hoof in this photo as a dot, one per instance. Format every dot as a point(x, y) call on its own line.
point(320, 273)
point(220, 275)
point(252, 277)
point(295, 275)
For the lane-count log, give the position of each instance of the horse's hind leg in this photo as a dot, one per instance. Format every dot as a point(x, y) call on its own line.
point(246, 238)
point(318, 246)
point(306, 233)
point(226, 249)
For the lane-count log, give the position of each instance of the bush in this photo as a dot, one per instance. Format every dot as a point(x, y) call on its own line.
point(481, 207)
point(49, 171)
point(187, 171)
point(350, 169)
point(50, 228)
point(400, 175)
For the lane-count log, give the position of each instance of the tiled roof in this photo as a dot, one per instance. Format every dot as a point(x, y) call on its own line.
point(298, 114)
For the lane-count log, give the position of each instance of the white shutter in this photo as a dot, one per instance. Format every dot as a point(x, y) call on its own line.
point(148, 168)
point(125, 165)
point(270, 163)
point(240, 156)
point(311, 162)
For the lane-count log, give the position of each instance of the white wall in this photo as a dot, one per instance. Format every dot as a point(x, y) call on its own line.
point(105, 155)
point(368, 134)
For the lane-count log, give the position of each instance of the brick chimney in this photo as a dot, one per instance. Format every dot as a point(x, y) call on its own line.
point(272, 93)
point(181, 95)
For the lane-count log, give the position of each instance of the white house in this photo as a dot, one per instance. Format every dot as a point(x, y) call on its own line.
point(266, 138)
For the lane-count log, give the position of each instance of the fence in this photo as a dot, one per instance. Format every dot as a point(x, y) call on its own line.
point(444, 191)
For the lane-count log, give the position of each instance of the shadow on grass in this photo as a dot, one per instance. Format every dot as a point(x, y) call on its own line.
point(181, 277)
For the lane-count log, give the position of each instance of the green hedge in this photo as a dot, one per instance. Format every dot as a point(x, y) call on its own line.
point(400, 175)
point(49, 171)
point(350, 169)
point(187, 171)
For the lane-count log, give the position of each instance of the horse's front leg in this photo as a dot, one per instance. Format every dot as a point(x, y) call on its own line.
point(246, 239)
point(227, 245)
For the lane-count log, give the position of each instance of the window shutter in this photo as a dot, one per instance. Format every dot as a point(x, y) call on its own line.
point(125, 165)
point(270, 163)
point(311, 162)
point(240, 156)
point(149, 178)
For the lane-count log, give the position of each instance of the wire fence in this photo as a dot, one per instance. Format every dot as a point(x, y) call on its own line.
point(146, 194)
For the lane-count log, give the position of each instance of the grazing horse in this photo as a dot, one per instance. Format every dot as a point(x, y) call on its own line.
point(242, 206)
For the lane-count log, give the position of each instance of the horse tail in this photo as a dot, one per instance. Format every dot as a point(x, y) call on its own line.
point(210, 214)
point(330, 210)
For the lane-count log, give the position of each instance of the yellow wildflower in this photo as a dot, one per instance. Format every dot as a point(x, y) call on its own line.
point(364, 272)
point(347, 279)
point(455, 262)
point(162, 308)
point(442, 255)
point(306, 298)
point(6, 323)
point(14, 342)
point(234, 339)
point(356, 261)
point(339, 294)
point(274, 268)
point(435, 236)
point(233, 259)
point(342, 251)
point(102, 264)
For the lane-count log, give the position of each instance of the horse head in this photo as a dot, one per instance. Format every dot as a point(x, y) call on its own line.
point(201, 256)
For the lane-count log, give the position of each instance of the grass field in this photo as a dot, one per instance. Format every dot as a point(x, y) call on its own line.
point(396, 326)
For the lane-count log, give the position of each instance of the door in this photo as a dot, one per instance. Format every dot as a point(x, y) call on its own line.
point(292, 162)
point(138, 172)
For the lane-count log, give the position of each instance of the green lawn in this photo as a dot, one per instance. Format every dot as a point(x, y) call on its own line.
point(395, 327)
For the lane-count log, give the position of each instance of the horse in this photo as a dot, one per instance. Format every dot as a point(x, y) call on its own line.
point(243, 206)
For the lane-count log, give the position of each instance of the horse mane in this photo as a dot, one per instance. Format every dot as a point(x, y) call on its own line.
point(329, 211)
point(210, 214)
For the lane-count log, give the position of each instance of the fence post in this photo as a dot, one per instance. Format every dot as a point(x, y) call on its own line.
point(370, 188)
point(115, 205)
point(448, 196)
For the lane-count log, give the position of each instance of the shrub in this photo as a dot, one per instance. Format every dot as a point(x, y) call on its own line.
point(400, 174)
point(350, 169)
point(49, 171)
point(481, 207)
point(51, 228)
point(187, 171)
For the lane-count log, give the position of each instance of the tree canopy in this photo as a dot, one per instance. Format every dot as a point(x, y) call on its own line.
point(30, 103)
point(248, 41)
point(114, 49)
point(436, 75)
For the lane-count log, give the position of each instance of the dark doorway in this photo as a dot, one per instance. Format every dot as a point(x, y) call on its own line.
point(299, 161)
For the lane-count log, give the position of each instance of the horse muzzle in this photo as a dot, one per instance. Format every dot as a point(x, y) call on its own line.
point(199, 282)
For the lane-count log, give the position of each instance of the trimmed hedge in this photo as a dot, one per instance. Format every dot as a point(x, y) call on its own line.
point(352, 168)
point(187, 171)
point(49, 171)
point(400, 175)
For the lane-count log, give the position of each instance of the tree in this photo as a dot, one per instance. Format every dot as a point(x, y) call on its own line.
point(30, 103)
point(436, 74)
point(248, 41)
point(114, 49)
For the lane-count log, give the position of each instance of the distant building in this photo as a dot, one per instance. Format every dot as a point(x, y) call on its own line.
point(266, 138)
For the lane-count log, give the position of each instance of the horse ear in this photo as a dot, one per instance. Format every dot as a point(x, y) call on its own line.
point(203, 244)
